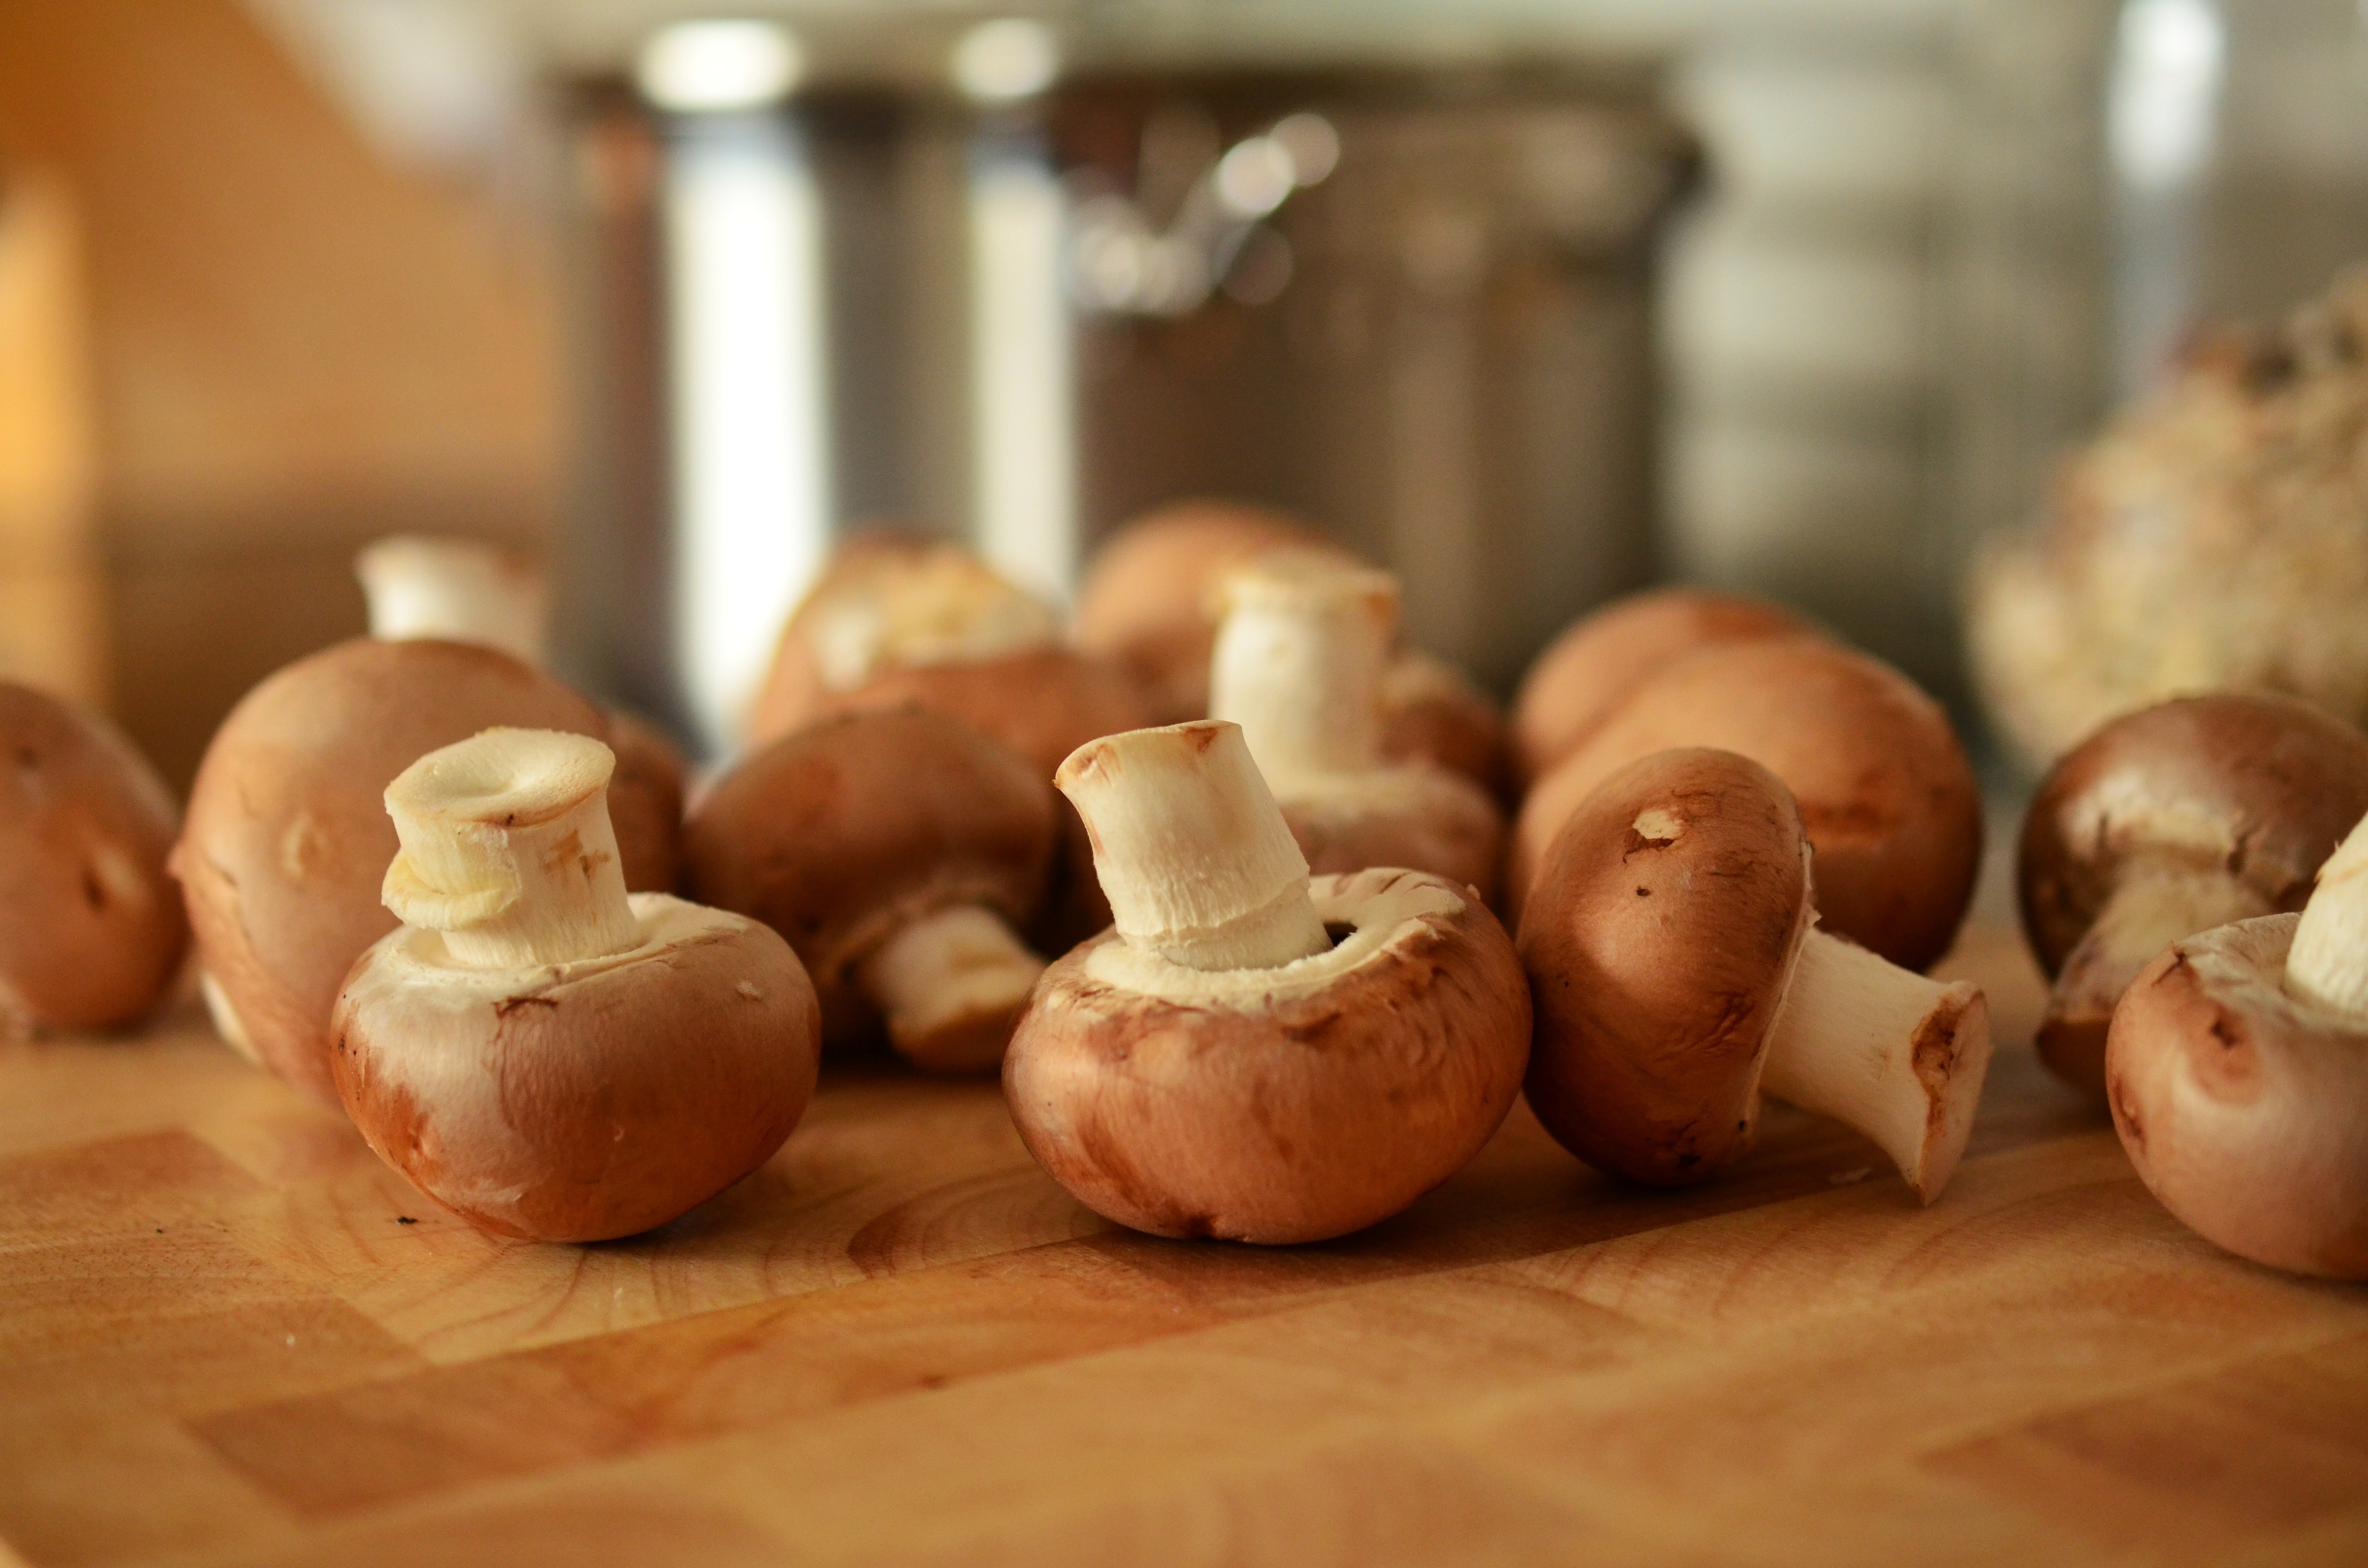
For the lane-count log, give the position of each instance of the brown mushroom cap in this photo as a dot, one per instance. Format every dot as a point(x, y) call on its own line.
point(581, 1101)
point(1657, 964)
point(1042, 704)
point(1436, 715)
point(91, 931)
point(288, 839)
point(2250, 787)
point(2244, 1109)
point(1590, 671)
point(1884, 788)
point(1148, 598)
point(1299, 1103)
point(839, 836)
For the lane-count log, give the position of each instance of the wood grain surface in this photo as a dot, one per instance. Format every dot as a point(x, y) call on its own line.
point(228, 1335)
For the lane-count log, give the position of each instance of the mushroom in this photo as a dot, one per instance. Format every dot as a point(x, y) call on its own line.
point(1588, 671)
point(2237, 1072)
point(287, 838)
point(536, 1050)
point(1434, 715)
point(1884, 784)
point(896, 851)
point(1678, 974)
point(465, 590)
point(1147, 600)
point(91, 933)
point(2166, 822)
point(1301, 658)
point(1251, 1054)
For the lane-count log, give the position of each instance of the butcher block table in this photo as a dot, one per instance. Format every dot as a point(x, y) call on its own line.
point(228, 1335)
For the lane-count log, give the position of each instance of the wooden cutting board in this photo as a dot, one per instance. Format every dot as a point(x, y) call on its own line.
point(229, 1336)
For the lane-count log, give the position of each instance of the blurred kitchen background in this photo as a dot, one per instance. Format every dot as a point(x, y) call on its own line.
point(1532, 301)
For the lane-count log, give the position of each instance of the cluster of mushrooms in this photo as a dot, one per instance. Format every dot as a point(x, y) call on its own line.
point(1265, 919)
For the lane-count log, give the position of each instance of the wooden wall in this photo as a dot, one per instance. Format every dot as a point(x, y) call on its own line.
point(292, 346)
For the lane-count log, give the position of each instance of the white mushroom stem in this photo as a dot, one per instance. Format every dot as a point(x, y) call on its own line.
point(508, 851)
point(1885, 1050)
point(461, 589)
point(945, 969)
point(2153, 906)
point(1192, 852)
point(2329, 961)
point(1301, 656)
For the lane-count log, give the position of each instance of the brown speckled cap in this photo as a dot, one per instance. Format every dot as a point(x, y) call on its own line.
point(1658, 941)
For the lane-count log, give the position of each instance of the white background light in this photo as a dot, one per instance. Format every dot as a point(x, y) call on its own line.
point(718, 65)
point(1014, 58)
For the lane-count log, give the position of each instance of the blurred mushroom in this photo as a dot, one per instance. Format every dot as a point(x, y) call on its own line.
point(2237, 1072)
point(1251, 1055)
point(287, 838)
point(91, 932)
point(2210, 538)
point(1884, 785)
point(1591, 670)
point(900, 853)
point(535, 1050)
point(1675, 976)
point(1434, 715)
point(1301, 657)
point(466, 590)
point(2168, 821)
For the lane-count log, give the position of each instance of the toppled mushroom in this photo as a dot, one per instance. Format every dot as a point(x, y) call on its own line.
point(1250, 1054)
point(539, 1052)
point(1889, 797)
point(897, 852)
point(91, 932)
point(1676, 975)
point(1588, 671)
point(1300, 661)
point(2237, 1072)
point(2168, 821)
point(287, 837)
point(465, 590)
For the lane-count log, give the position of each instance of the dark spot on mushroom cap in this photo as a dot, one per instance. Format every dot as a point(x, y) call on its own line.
point(93, 893)
point(28, 758)
point(1636, 843)
point(405, 1219)
point(1644, 893)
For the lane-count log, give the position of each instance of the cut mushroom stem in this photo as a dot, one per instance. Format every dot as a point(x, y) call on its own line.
point(2152, 907)
point(460, 589)
point(949, 985)
point(2328, 962)
point(1882, 1050)
point(1192, 851)
point(506, 850)
point(1299, 662)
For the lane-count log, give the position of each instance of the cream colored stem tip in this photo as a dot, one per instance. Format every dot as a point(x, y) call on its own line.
point(1301, 657)
point(508, 851)
point(1192, 852)
point(1885, 1050)
point(460, 589)
point(2329, 961)
point(944, 975)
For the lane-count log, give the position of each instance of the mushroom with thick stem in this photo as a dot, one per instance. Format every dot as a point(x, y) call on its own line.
point(1251, 1054)
point(899, 853)
point(1671, 950)
point(2170, 820)
point(91, 932)
point(540, 1052)
point(465, 590)
point(287, 837)
point(2238, 1074)
point(1882, 782)
point(1301, 658)
point(1588, 672)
